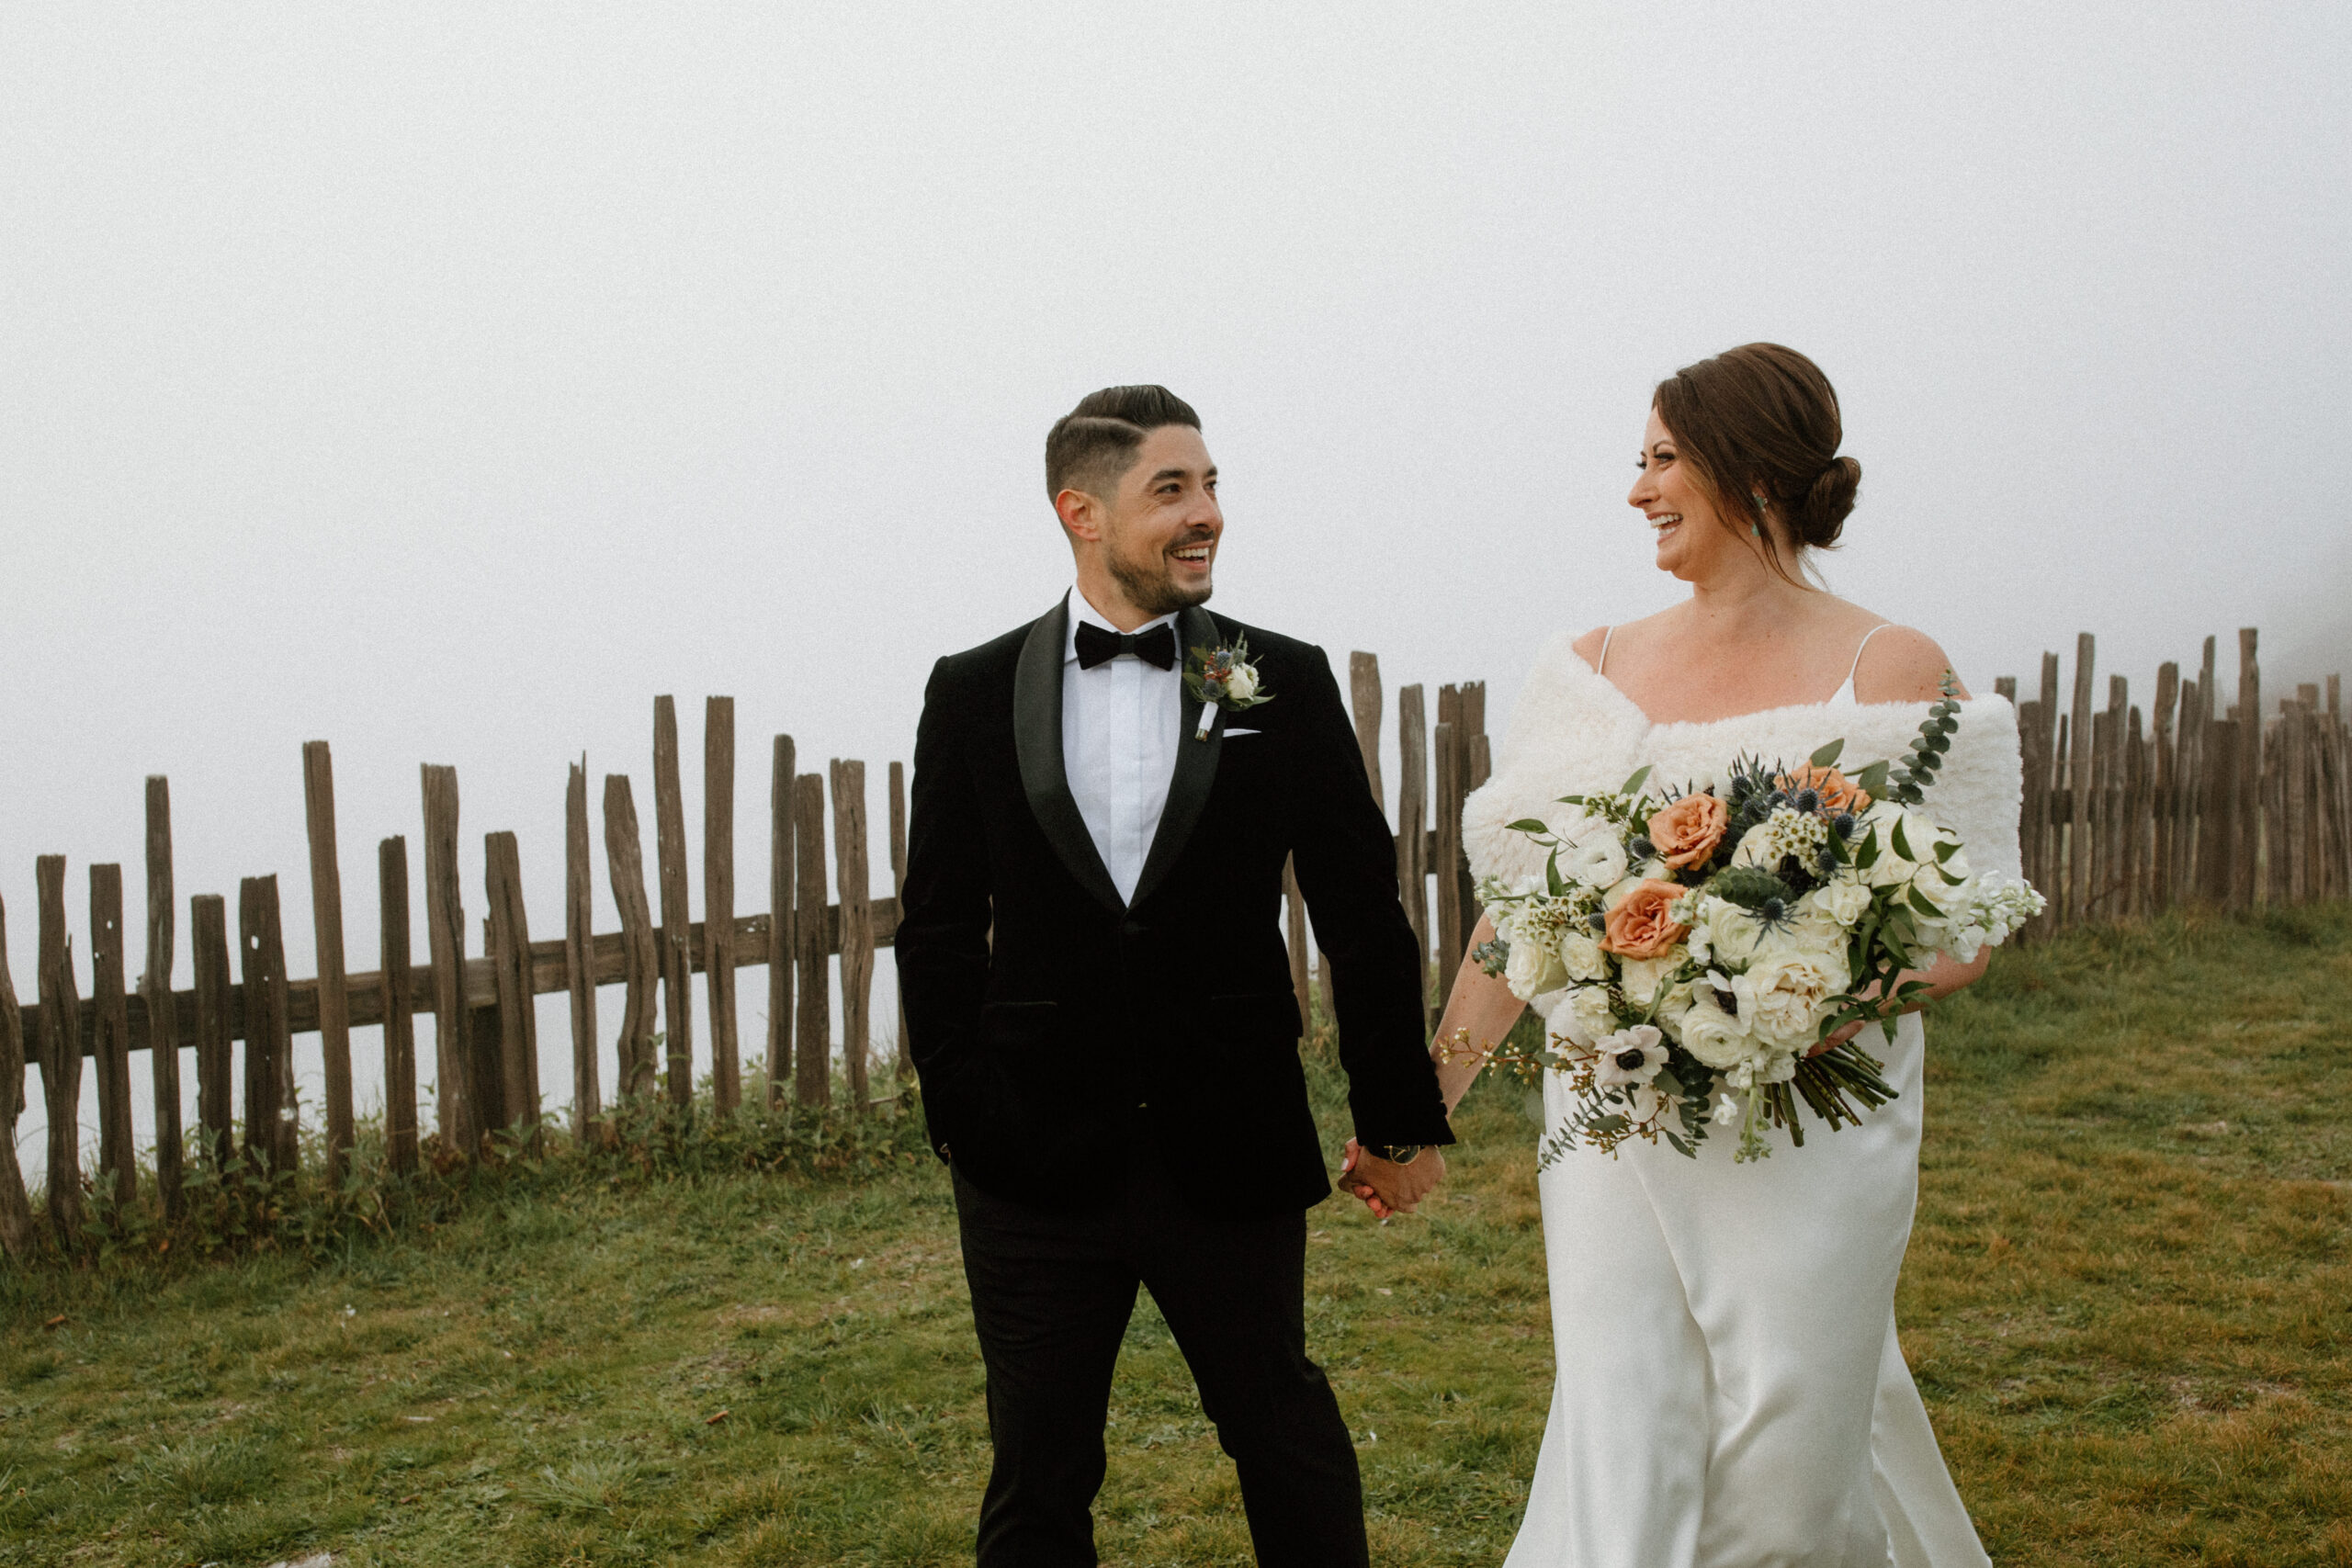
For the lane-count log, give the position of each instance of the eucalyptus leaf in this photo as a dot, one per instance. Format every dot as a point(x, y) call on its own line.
point(1634, 784)
point(1532, 1103)
point(1827, 756)
point(1527, 825)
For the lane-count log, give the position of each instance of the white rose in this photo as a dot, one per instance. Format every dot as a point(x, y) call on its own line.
point(1713, 1035)
point(1784, 996)
point(1724, 931)
point(1809, 931)
point(1580, 953)
point(1592, 852)
point(1532, 968)
point(1583, 1016)
point(1241, 684)
point(1639, 977)
point(1759, 846)
point(1844, 901)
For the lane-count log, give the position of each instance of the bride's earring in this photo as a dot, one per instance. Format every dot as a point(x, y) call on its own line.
point(1756, 529)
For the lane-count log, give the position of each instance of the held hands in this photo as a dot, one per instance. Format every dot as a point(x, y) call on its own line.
point(1386, 1187)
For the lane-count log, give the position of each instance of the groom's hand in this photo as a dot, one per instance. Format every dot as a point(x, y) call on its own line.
point(1388, 1188)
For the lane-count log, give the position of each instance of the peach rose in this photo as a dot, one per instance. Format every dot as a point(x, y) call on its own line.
point(1686, 832)
point(1838, 791)
point(1638, 925)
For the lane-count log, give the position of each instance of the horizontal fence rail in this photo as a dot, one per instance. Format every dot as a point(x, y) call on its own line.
point(550, 972)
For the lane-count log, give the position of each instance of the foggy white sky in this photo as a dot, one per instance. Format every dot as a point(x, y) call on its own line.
point(446, 381)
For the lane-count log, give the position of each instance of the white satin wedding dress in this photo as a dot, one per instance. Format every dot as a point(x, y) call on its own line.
point(1730, 1393)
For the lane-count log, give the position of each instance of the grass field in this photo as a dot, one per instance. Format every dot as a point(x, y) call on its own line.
point(2127, 1303)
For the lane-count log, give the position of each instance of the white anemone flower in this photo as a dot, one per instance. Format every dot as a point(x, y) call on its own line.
point(1629, 1056)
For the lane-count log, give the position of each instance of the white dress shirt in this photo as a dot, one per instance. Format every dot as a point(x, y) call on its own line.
point(1121, 725)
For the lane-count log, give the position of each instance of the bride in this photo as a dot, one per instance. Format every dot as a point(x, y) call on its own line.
point(1730, 1392)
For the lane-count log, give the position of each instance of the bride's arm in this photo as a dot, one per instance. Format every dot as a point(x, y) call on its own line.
point(1480, 1005)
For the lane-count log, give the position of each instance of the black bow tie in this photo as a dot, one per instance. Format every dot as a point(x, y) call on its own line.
point(1155, 646)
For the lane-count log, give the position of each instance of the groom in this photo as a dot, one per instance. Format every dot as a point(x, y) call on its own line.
point(1098, 999)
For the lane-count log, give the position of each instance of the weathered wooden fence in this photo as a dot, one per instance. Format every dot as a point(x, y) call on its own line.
point(2200, 800)
point(486, 1071)
point(2123, 815)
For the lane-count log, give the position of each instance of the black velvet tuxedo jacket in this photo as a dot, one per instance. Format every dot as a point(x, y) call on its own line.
point(1056, 1026)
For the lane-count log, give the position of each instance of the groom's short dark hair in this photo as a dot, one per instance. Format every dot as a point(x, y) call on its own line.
point(1096, 441)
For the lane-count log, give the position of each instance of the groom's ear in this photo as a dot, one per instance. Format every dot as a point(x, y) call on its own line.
point(1080, 513)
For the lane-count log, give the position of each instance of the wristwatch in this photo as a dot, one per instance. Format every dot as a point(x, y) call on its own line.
point(1395, 1153)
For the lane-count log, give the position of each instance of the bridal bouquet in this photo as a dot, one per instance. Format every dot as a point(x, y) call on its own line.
point(1696, 943)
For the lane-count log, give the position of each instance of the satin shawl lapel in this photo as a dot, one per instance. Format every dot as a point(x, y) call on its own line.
point(1188, 789)
point(1038, 741)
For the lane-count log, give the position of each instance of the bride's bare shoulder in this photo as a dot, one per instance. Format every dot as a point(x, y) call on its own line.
point(1901, 664)
point(1614, 638)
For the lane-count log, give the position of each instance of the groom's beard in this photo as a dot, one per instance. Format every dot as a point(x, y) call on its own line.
point(1154, 591)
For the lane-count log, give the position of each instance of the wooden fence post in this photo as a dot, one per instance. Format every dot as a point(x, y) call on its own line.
point(110, 1013)
point(2114, 804)
point(1363, 692)
point(1451, 926)
point(2217, 835)
point(640, 958)
point(580, 957)
point(2033, 804)
point(719, 900)
point(1477, 762)
point(813, 1030)
point(670, 857)
point(1294, 930)
point(852, 876)
point(400, 1025)
point(2138, 825)
point(510, 958)
point(61, 1053)
point(270, 1115)
point(15, 1202)
point(155, 991)
point(457, 1113)
point(2194, 862)
point(208, 939)
point(2163, 786)
point(326, 925)
point(902, 1066)
point(2187, 791)
point(783, 928)
point(1412, 819)
point(2246, 884)
point(2081, 780)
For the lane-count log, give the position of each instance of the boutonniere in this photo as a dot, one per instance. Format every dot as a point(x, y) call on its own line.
point(1223, 678)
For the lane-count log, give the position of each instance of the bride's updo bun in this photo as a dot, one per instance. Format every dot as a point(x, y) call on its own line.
point(1760, 423)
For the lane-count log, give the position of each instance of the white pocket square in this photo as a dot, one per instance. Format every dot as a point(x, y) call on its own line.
point(1237, 734)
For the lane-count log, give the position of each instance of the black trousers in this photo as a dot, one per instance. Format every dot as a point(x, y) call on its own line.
point(1051, 1296)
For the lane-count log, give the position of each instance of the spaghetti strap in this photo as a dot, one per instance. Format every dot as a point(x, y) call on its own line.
point(1606, 632)
point(1855, 668)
